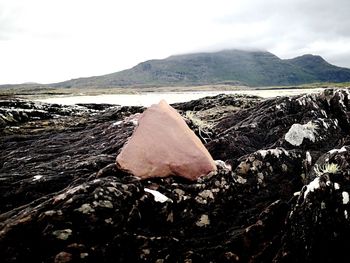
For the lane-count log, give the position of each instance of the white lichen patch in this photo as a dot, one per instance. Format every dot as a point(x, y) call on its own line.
point(180, 194)
point(84, 255)
point(297, 133)
point(224, 184)
point(106, 204)
point(284, 167)
point(324, 124)
point(262, 153)
point(206, 194)
point(241, 180)
point(103, 203)
point(114, 190)
point(146, 251)
point(76, 189)
point(133, 119)
point(111, 189)
point(257, 164)
point(217, 183)
point(203, 221)
point(260, 178)
point(315, 184)
point(200, 200)
point(63, 234)
point(308, 158)
point(170, 217)
point(276, 152)
point(341, 150)
point(301, 101)
point(108, 197)
point(86, 209)
point(203, 197)
point(72, 191)
point(50, 213)
point(60, 197)
point(223, 165)
point(117, 123)
point(215, 190)
point(291, 214)
point(95, 181)
point(158, 197)
point(345, 197)
point(336, 186)
point(251, 158)
point(37, 177)
point(341, 99)
point(109, 220)
point(207, 176)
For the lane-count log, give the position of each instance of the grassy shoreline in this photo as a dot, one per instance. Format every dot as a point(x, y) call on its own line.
point(28, 92)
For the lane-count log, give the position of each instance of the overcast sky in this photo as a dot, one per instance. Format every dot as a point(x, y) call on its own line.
point(54, 40)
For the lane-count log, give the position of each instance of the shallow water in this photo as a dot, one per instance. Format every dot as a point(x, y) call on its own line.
point(147, 99)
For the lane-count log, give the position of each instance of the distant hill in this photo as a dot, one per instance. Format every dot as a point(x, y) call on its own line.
point(252, 68)
point(317, 66)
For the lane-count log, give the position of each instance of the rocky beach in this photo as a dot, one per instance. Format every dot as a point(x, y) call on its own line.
point(280, 192)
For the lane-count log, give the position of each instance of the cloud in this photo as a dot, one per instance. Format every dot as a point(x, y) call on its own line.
point(7, 27)
point(292, 26)
point(49, 41)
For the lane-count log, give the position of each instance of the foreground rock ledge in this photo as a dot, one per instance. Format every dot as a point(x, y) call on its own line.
point(163, 145)
point(285, 199)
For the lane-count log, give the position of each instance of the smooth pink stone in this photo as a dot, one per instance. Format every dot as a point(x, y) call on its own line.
point(163, 145)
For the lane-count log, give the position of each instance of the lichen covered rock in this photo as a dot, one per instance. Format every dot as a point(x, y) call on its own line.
point(280, 193)
point(318, 224)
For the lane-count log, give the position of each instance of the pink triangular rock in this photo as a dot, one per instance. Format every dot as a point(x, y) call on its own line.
point(163, 145)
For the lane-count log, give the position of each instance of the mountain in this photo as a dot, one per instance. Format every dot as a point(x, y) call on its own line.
point(320, 68)
point(253, 68)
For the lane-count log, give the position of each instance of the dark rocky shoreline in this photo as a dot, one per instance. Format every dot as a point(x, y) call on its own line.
point(280, 193)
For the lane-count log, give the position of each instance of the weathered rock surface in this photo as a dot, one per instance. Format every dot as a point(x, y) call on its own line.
point(282, 196)
point(163, 145)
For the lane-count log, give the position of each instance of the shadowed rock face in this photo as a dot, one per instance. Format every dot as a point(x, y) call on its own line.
point(285, 197)
point(163, 145)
